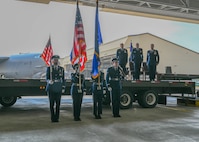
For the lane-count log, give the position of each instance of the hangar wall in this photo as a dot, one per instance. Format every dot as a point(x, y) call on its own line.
point(180, 59)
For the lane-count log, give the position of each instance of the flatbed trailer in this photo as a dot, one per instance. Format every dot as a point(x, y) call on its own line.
point(146, 93)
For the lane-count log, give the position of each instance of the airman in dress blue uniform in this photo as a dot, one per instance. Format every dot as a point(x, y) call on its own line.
point(55, 75)
point(152, 62)
point(77, 91)
point(137, 59)
point(97, 91)
point(122, 55)
point(113, 82)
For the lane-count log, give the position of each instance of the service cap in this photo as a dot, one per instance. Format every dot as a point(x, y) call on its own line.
point(115, 60)
point(55, 57)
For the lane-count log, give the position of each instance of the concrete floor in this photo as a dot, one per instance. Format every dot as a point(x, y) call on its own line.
point(28, 121)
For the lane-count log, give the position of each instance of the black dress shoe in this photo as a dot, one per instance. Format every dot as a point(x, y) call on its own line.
point(78, 119)
point(99, 117)
point(56, 120)
point(96, 117)
point(118, 115)
point(75, 119)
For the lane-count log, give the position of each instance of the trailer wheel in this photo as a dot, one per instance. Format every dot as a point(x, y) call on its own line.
point(8, 101)
point(126, 100)
point(149, 99)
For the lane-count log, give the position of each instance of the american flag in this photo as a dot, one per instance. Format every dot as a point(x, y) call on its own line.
point(47, 53)
point(78, 53)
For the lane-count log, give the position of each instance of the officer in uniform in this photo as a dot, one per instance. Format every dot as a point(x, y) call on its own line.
point(77, 91)
point(122, 55)
point(55, 86)
point(113, 82)
point(152, 62)
point(137, 59)
point(97, 91)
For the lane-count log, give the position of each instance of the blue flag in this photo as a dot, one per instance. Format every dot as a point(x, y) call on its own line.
point(131, 50)
point(131, 47)
point(98, 41)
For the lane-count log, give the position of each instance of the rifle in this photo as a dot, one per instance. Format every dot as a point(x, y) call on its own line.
point(121, 71)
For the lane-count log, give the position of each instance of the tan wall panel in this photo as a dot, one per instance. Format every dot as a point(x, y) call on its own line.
point(181, 59)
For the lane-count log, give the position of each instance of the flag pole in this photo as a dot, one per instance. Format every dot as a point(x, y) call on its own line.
point(79, 57)
point(99, 74)
point(79, 73)
point(51, 70)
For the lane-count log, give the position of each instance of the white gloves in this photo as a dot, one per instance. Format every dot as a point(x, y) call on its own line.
point(84, 93)
point(50, 82)
point(109, 89)
point(104, 90)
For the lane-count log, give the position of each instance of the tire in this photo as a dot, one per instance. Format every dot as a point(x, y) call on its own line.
point(149, 99)
point(8, 101)
point(126, 100)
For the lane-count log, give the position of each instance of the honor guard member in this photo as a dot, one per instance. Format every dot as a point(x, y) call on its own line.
point(113, 82)
point(152, 62)
point(77, 91)
point(122, 55)
point(137, 59)
point(97, 91)
point(55, 87)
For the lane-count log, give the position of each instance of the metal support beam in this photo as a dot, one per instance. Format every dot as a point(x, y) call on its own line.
point(179, 9)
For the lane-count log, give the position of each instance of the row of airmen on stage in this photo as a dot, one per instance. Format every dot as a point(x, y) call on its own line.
point(136, 59)
point(55, 82)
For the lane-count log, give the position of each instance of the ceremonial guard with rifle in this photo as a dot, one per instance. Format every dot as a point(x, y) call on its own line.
point(55, 86)
point(113, 82)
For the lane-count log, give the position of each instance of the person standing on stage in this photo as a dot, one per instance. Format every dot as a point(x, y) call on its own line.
point(122, 55)
point(152, 61)
point(137, 59)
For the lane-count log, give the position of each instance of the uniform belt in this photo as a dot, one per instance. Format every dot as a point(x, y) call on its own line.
point(115, 79)
point(98, 83)
point(76, 84)
point(57, 80)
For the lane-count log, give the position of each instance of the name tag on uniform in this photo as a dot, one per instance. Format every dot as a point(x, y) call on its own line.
point(99, 88)
point(79, 91)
